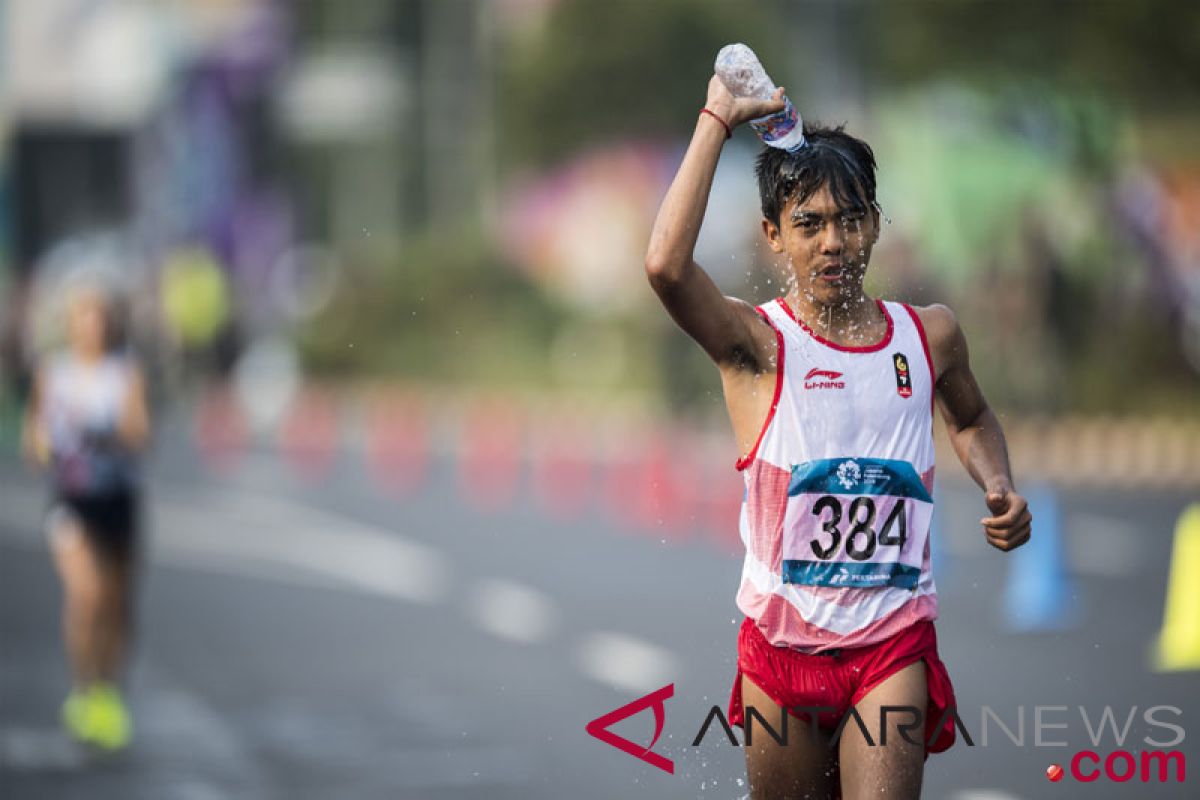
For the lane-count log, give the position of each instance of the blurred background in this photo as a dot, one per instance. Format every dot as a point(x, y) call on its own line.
point(436, 481)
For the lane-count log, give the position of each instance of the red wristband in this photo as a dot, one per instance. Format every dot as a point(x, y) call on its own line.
point(724, 124)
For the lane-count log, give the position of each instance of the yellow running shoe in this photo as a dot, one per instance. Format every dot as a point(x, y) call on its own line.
point(75, 714)
point(108, 724)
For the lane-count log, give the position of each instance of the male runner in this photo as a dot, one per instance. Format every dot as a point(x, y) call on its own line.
point(830, 394)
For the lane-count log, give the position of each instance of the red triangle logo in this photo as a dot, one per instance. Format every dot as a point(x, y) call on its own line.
point(599, 727)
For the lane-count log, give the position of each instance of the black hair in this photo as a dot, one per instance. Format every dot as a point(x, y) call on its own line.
point(830, 157)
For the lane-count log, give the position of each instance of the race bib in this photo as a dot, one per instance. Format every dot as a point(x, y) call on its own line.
point(855, 522)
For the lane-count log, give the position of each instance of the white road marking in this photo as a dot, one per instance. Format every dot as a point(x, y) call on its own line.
point(235, 532)
point(253, 528)
point(512, 610)
point(40, 750)
point(626, 662)
point(179, 733)
point(184, 749)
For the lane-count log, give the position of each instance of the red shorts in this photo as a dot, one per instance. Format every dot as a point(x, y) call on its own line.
point(841, 678)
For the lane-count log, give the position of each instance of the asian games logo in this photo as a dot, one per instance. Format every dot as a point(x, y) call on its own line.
point(849, 474)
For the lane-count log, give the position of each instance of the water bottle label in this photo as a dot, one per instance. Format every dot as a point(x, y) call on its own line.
point(777, 126)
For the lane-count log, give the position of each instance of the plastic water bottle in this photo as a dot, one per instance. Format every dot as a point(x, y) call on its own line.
point(740, 71)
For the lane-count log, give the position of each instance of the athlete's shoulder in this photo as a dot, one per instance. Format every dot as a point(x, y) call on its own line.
point(748, 309)
point(939, 321)
point(740, 306)
point(947, 345)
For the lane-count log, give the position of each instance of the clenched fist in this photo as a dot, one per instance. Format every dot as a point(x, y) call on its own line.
point(1011, 524)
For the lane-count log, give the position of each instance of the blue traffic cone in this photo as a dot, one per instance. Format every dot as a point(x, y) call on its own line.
point(1040, 594)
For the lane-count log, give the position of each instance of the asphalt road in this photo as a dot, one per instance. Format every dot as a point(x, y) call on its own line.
point(301, 639)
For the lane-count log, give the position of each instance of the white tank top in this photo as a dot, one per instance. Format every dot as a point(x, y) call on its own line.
point(82, 406)
point(838, 502)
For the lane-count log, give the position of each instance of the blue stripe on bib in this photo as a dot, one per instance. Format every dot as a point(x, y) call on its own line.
point(858, 476)
point(841, 573)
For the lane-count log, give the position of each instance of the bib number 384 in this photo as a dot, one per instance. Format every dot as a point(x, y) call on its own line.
point(855, 523)
point(860, 539)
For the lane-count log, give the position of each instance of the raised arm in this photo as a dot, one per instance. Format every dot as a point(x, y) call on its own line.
point(728, 329)
point(974, 430)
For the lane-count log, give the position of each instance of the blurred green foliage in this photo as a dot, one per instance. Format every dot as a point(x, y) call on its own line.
point(446, 308)
point(1015, 183)
point(619, 69)
point(1147, 53)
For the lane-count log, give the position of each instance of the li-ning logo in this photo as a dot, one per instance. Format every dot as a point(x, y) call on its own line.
point(903, 379)
point(849, 474)
point(823, 379)
point(599, 727)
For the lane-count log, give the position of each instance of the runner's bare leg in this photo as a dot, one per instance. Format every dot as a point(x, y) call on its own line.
point(77, 566)
point(115, 616)
point(806, 769)
point(892, 771)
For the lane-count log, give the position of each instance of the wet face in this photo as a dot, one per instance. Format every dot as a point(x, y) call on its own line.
point(88, 323)
point(827, 246)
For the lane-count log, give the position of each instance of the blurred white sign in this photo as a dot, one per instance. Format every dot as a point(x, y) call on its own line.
point(96, 62)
